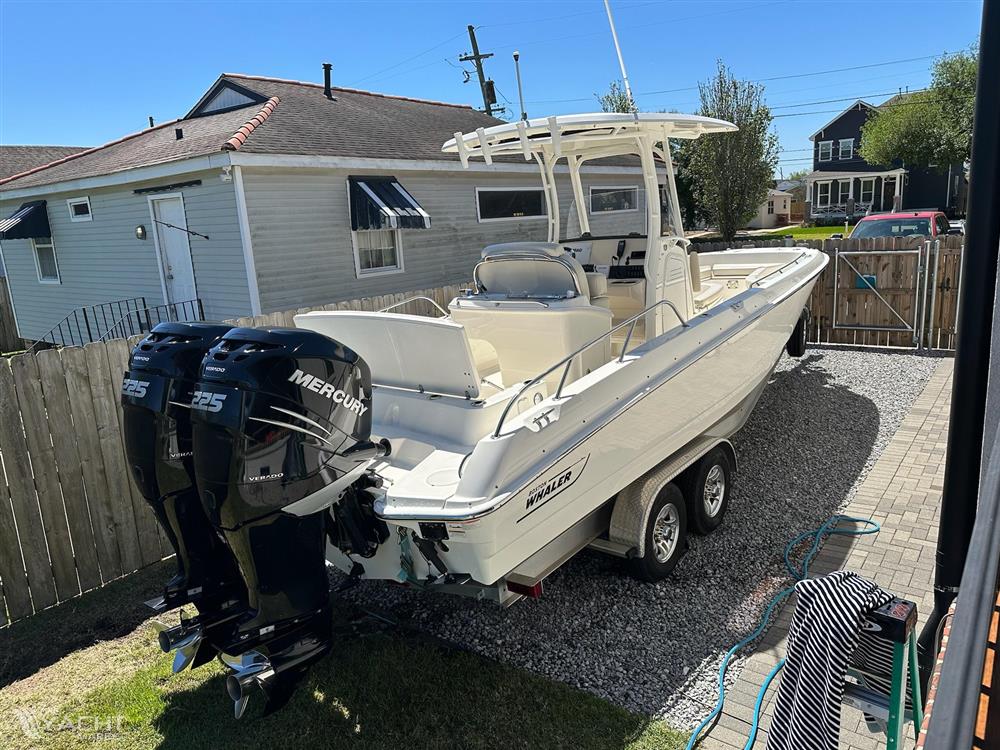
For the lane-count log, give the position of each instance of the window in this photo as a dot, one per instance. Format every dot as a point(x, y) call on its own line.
point(504, 204)
point(825, 150)
point(845, 191)
point(79, 209)
point(846, 148)
point(611, 199)
point(867, 189)
point(822, 193)
point(891, 228)
point(377, 251)
point(45, 260)
point(770, 207)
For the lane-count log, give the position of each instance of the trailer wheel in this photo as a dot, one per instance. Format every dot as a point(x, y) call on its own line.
point(707, 488)
point(665, 536)
point(796, 346)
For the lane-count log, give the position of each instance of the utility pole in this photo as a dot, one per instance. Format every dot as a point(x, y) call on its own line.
point(485, 85)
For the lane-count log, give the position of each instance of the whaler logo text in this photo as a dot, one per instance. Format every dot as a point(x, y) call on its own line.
point(329, 390)
point(545, 491)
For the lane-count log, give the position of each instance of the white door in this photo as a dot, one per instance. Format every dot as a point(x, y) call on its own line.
point(174, 249)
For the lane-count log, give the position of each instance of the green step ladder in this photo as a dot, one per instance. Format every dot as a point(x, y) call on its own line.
point(897, 622)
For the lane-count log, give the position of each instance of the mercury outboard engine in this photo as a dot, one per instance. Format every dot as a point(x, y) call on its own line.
point(156, 394)
point(281, 428)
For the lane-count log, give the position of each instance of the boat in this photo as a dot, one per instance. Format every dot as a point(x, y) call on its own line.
point(582, 392)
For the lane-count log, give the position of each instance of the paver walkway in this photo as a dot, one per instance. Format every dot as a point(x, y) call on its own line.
point(903, 493)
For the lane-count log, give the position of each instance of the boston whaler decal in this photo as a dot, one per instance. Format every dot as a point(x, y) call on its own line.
point(329, 390)
point(556, 482)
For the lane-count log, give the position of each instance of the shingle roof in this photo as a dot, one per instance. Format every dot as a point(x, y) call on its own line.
point(302, 121)
point(17, 159)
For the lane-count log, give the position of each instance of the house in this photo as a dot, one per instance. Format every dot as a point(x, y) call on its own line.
point(774, 211)
point(843, 185)
point(271, 195)
point(797, 205)
point(17, 159)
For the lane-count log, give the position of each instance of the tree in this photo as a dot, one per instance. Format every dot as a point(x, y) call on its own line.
point(927, 127)
point(798, 174)
point(617, 99)
point(732, 172)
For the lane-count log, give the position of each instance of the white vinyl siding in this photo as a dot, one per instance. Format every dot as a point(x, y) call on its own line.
point(102, 260)
point(46, 264)
point(614, 199)
point(302, 238)
point(825, 150)
point(846, 148)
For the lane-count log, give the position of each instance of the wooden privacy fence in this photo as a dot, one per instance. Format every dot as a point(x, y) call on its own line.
point(9, 340)
point(71, 518)
point(881, 292)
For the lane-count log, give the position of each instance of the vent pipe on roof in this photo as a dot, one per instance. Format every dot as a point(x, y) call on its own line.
point(150, 121)
point(327, 92)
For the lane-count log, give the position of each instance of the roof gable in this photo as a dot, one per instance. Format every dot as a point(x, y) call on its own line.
point(224, 96)
point(860, 103)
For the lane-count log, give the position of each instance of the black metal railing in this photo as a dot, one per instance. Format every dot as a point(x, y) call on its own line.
point(137, 322)
point(957, 703)
point(89, 323)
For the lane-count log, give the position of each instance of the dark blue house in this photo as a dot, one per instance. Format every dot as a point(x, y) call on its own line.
point(843, 186)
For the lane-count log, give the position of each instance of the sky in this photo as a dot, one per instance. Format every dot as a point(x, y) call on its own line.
point(84, 73)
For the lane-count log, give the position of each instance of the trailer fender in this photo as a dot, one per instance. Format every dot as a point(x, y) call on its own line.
point(631, 509)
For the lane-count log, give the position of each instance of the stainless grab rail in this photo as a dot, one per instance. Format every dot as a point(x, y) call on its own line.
point(778, 270)
point(414, 299)
point(568, 360)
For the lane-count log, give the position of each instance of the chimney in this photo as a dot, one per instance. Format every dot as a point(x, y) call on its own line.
point(178, 133)
point(327, 67)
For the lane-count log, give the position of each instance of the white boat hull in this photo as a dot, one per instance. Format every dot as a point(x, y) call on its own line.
point(524, 488)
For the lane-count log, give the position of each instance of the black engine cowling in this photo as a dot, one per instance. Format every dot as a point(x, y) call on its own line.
point(156, 390)
point(281, 428)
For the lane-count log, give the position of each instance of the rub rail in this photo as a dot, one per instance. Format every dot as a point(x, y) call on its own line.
point(568, 360)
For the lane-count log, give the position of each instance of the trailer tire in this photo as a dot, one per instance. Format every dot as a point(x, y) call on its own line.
point(796, 346)
point(707, 486)
point(665, 536)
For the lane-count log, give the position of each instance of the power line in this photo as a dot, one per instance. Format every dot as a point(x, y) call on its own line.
point(759, 80)
point(408, 59)
point(881, 106)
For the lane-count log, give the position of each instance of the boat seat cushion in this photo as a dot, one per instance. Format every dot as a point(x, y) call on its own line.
point(485, 356)
point(709, 293)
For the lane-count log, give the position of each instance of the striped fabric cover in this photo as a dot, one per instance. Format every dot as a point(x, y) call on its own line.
point(821, 642)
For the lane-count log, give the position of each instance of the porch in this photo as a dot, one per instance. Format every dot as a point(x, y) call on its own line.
point(835, 196)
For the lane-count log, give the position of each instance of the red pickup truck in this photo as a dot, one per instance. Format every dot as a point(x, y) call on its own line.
point(931, 224)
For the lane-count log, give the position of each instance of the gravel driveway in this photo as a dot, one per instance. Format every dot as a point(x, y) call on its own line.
point(654, 648)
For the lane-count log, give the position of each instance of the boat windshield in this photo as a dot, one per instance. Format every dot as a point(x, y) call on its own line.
point(667, 228)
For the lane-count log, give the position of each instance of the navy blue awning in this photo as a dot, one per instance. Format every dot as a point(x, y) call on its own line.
point(28, 222)
point(382, 203)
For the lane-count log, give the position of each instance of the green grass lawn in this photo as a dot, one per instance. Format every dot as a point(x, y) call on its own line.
point(379, 688)
point(808, 233)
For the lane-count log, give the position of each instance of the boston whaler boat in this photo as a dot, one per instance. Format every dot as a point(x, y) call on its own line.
point(582, 394)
